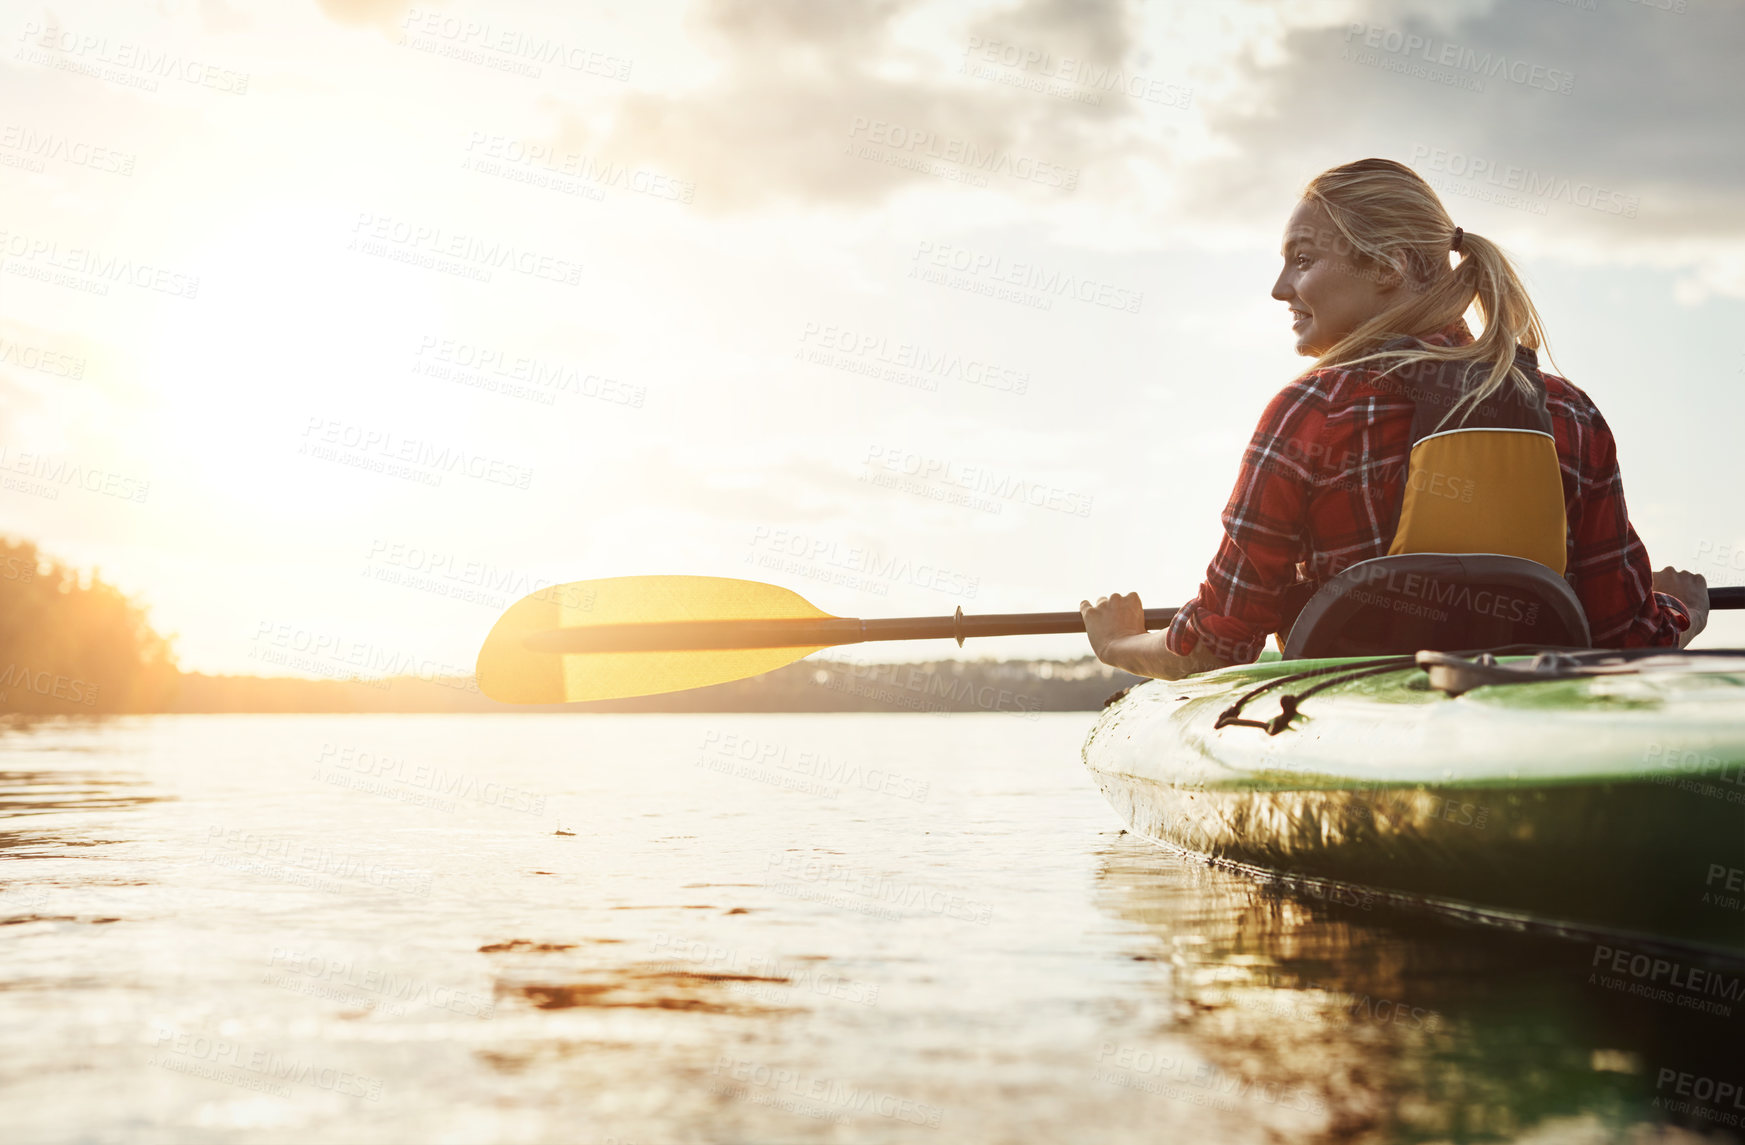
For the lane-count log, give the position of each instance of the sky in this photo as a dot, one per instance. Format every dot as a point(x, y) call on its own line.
point(342, 324)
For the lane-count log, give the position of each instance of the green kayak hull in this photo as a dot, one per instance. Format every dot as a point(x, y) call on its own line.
point(1606, 805)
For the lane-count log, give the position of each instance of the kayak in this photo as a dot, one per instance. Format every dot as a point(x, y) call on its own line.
point(1583, 793)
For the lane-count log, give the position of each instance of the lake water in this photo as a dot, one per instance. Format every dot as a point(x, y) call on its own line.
point(759, 928)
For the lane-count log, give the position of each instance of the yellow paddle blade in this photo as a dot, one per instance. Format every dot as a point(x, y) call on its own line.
point(513, 673)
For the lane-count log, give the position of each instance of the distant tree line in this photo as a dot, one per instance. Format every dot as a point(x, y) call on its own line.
point(71, 642)
point(1015, 688)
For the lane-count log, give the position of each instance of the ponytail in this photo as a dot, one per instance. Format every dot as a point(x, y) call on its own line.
point(1393, 223)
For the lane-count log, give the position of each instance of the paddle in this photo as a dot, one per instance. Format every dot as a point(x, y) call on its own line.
point(641, 635)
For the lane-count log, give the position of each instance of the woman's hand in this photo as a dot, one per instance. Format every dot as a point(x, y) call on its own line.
point(1691, 590)
point(1110, 619)
point(1116, 626)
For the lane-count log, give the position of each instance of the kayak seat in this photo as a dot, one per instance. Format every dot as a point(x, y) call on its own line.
point(1444, 602)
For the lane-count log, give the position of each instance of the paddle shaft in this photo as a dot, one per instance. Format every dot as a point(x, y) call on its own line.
point(822, 632)
point(1733, 596)
point(828, 632)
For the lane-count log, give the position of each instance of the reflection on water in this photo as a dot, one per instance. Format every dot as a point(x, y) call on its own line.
point(28, 794)
point(66, 786)
point(1416, 1029)
point(39, 792)
point(749, 928)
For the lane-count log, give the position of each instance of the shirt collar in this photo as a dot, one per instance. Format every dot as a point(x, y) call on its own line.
point(1455, 333)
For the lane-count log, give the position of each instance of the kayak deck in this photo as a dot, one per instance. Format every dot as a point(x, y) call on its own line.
point(1614, 803)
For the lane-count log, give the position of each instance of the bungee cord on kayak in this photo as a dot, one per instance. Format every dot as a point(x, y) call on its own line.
point(1290, 704)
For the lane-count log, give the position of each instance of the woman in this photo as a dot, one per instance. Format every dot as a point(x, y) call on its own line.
point(1366, 256)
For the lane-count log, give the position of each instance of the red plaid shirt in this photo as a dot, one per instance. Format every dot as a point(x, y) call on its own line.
point(1320, 489)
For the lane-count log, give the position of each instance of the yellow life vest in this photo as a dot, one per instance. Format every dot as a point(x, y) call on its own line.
point(1486, 480)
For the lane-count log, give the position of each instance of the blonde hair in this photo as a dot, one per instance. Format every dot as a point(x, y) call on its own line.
point(1391, 220)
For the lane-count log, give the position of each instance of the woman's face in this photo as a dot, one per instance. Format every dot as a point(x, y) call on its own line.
point(1329, 289)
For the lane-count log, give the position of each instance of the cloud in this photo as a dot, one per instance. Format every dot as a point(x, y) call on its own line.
point(363, 13)
point(1539, 105)
point(802, 87)
point(1602, 136)
point(40, 375)
point(222, 18)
